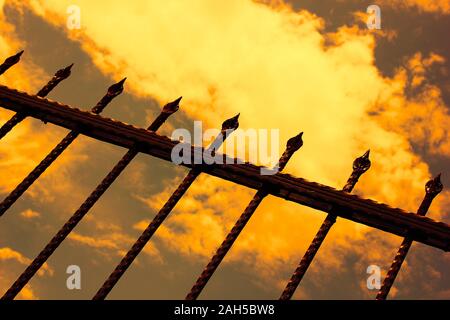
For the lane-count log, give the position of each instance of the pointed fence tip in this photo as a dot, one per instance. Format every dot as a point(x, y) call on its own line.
point(236, 118)
point(231, 123)
point(15, 58)
point(116, 88)
point(177, 101)
point(173, 106)
point(363, 163)
point(64, 72)
point(434, 186)
point(296, 142)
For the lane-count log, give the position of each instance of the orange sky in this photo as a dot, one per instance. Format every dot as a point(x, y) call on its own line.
point(279, 69)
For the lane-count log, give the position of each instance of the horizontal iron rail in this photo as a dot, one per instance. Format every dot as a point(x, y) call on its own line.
point(311, 194)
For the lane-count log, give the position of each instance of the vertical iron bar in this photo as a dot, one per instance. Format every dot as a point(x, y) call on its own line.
point(113, 91)
point(37, 263)
point(293, 145)
point(9, 62)
point(360, 165)
point(59, 76)
point(432, 189)
point(228, 127)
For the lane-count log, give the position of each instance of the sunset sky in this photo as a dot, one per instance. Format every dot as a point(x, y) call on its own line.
point(292, 65)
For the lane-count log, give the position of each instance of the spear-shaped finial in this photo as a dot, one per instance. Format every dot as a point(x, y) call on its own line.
point(37, 263)
point(14, 58)
point(295, 143)
point(116, 89)
point(166, 112)
point(228, 126)
point(10, 61)
point(112, 92)
point(59, 76)
point(360, 165)
point(231, 124)
point(172, 107)
point(140, 243)
point(434, 186)
point(64, 73)
point(292, 145)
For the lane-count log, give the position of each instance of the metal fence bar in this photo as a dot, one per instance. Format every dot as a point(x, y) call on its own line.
point(9, 62)
point(292, 145)
point(37, 263)
point(432, 189)
point(311, 194)
point(113, 91)
point(59, 76)
point(227, 128)
point(360, 165)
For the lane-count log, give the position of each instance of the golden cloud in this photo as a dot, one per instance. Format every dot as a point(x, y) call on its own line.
point(10, 254)
point(9, 259)
point(280, 70)
point(29, 214)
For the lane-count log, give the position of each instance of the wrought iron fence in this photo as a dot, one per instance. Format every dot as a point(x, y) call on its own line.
point(411, 226)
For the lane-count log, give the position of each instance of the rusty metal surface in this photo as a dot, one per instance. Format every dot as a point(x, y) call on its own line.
point(311, 194)
point(113, 91)
point(137, 247)
point(360, 166)
point(9, 62)
point(432, 189)
point(292, 146)
point(54, 243)
point(228, 126)
point(59, 76)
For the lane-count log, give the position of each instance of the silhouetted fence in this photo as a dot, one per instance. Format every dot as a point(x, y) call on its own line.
point(411, 226)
